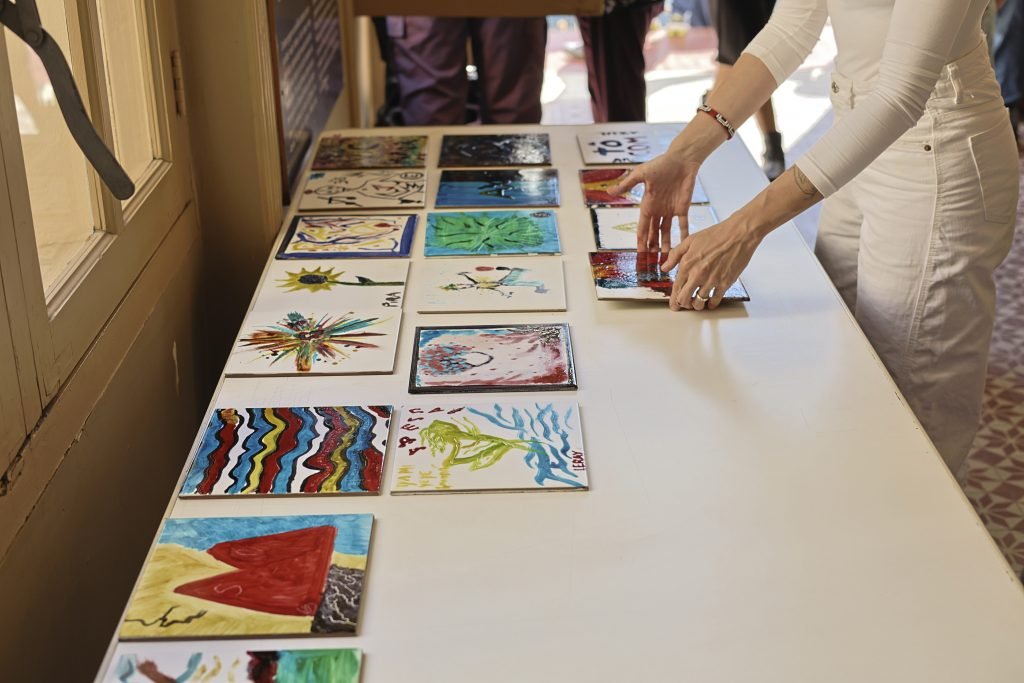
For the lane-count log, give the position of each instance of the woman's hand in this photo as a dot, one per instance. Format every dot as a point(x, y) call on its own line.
point(710, 262)
point(668, 188)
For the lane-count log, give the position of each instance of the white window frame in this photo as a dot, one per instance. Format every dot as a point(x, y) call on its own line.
point(49, 338)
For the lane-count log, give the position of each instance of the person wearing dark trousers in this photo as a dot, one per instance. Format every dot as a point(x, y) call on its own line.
point(736, 23)
point(1009, 56)
point(429, 62)
point(613, 47)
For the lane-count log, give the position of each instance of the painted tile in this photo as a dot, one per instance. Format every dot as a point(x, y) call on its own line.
point(349, 285)
point(490, 284)
point(498, 188)
point(252, 576)
point(331, 237)
point(598, 182)
point(628, 145)
point(495, 358)
point(299, 450)
point(636, 275)
point(497, 446)
point(333, 190)
point(480, 233)
point(530, 149)
point(337, 152)
point(615, 228)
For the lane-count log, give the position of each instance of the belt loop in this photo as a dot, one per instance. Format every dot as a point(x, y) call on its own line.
point(953, 73)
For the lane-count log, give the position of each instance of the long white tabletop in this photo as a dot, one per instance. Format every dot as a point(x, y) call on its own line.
point(763, 504)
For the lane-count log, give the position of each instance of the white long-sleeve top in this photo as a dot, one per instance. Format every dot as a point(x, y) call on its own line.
point(901, 46)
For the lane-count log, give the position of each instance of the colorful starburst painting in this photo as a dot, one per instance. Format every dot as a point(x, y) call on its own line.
point(615, 227)
point(479, 233)
point(299, 450)
point(298, 343)
point(597, 184)
point(498, 188)
point(348, 285)
point(634, 145)
point(638, 276)
point(480, 285)
point(338, 152)
point(530, 149)
point(492, 358)
point(331, 237)
point(218, 661)
point(498, 446)
point(252, 576)
point(388, 189)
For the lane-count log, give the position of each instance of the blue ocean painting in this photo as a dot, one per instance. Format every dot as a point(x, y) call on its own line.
point(480, 233)
point(496, 188)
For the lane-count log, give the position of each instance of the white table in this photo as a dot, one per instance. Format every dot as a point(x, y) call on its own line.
point(763, 505)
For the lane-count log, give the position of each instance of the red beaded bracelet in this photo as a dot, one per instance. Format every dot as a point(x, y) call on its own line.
point(714, 113)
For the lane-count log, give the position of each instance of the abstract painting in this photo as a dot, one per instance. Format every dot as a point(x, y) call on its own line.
point(615, 228)
point(299, 343)
point(332, 190)
point(497, 188)
point(492, 358)
point(274, 451)
point(490, 285)
point(636, 275)
point(252, 576)
point(530, 149)
point(214, 661)
point(325, 285)
point(500, 446)
point(337, 152)
point(598, 182)
point(319, 237)
point(479, 233)
point(628, 145)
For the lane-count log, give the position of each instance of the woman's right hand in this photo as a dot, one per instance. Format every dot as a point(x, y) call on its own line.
point(668, 188)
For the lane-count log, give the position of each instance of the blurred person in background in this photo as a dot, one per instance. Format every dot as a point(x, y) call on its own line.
point(613, 47)
point(429, 59)
point(1008, 47)
point(737, 22)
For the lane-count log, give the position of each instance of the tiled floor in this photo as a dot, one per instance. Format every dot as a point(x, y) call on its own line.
point(680, 67)
point(993, 475)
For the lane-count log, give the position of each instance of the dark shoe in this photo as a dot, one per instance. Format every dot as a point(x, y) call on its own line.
point(774, 160)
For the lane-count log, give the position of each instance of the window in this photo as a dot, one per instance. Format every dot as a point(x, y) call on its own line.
point(69, 250)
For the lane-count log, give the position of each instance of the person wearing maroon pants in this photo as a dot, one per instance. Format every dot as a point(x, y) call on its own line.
point(613, 47)
point(429, 61)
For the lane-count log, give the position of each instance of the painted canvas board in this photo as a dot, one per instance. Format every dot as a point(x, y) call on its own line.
point(636, 276)
point(479, 285)
point(299, 450)
point(337, 152)
point(349, 285)
point(615, 228)
point(480, 233)
point(529, 149)
point(492, 358)
point(334, 342)
point(498, 188)
point(331, 237)
point(496, 446)
point(219, 661)
point(333, 190)
point(628, 145)
point(252, 576)
point(598, 182)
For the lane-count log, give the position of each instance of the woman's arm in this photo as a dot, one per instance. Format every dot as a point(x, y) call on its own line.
point(775, 53)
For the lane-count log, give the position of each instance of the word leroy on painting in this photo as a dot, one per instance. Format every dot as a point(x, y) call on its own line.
point(492, 358)
point(501, 446)
point(212, 662)
point(248, 576)
point(290, 450)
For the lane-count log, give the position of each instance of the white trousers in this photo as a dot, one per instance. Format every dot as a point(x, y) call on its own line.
point(912, 241)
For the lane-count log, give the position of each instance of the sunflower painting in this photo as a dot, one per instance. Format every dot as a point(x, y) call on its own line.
point(295, 343)
point(328, 284)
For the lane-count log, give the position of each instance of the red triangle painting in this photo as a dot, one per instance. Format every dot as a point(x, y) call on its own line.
point(280, 573)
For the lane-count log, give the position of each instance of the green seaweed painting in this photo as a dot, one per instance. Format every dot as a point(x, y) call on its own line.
point(464, 444)
point(491, 232)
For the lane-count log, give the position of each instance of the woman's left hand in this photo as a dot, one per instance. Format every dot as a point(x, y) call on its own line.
point(710, 261)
